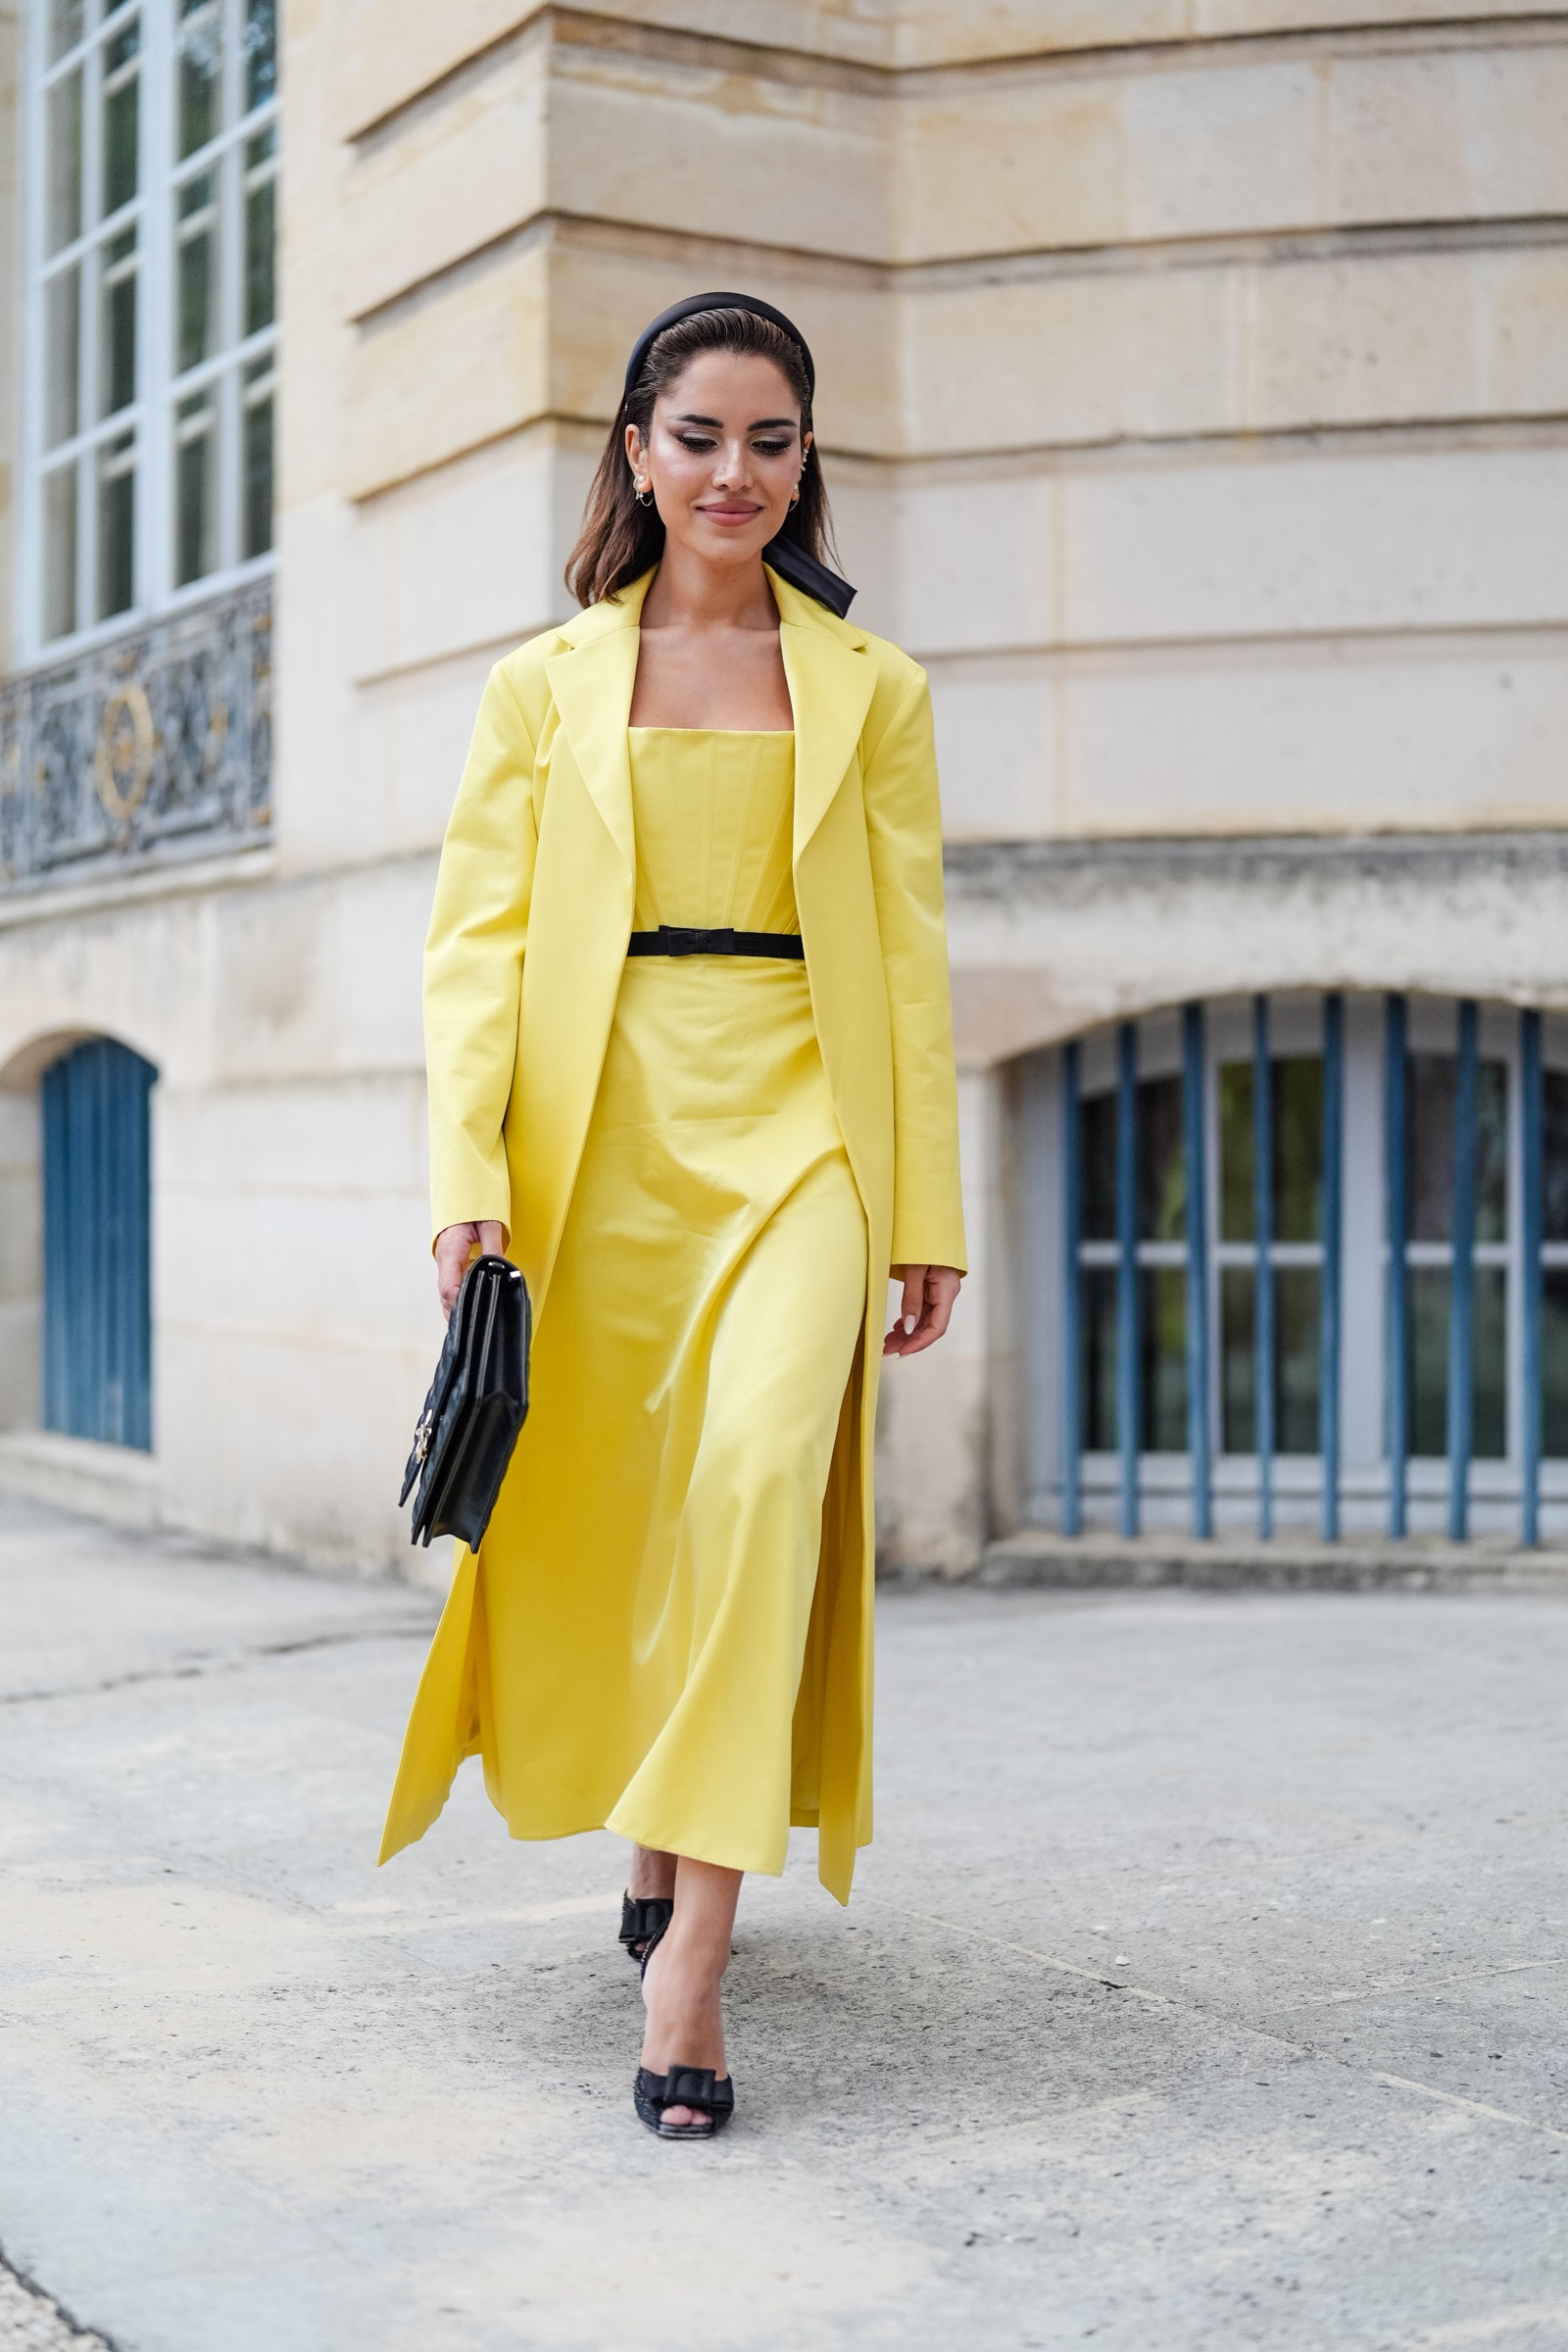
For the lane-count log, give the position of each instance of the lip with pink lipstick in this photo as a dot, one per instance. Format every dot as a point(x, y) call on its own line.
point(731, 518)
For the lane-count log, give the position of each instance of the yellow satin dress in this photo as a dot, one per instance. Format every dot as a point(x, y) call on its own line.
point(632, 1650)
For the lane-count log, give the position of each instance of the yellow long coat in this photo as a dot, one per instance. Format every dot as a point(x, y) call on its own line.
point(524, 959)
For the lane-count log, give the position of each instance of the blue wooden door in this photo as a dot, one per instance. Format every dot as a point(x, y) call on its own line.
point(97, 1300)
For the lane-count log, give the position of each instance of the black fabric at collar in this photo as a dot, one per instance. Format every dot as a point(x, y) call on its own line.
point(791, 561)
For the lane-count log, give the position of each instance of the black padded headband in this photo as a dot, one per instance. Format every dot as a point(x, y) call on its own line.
point(787, 556)
point(693, 306)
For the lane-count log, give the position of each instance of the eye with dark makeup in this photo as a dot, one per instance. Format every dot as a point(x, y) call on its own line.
point(699, 443)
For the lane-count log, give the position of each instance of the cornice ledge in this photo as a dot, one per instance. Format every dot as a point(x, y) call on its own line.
point(1039, 869)
point(53, 902)
point(898, 77)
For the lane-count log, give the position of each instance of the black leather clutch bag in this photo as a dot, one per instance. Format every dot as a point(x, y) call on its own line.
point(477, 1404)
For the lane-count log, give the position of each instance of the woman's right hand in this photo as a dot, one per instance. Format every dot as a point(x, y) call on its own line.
point(455, 1246)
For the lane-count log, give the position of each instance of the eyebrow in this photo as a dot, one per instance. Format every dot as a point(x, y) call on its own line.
point(763, 424)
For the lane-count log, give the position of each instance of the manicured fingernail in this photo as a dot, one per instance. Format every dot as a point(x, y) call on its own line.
point(908, 1323)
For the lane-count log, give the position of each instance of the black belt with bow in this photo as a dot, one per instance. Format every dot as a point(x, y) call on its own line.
point(670, 940)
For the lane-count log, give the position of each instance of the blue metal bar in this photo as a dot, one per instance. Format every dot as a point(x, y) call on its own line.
point(138, 1258)
point(1462, 1278)
point(1128, 1430)
point(1072, 1426)
point(1532, 1174)
point(56, 1248)
point(1263, 1234)
point(115, 1216)
point(100, 1398)
point(1396, 1340)
point(97, 1323)
point(83, 1272)
point(1198, 1445)
point(1333, 1256)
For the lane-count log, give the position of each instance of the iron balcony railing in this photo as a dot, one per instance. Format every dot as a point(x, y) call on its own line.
point(155, 746)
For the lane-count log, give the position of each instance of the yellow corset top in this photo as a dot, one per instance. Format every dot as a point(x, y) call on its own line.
point(714, 819)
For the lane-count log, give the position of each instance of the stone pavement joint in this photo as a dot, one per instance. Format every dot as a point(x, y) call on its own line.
point(218, 1662)
point(1496, 2115)
point(1292, 2050)
point(32, 2321)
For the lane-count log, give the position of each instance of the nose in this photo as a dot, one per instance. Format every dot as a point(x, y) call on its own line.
point(732, 464)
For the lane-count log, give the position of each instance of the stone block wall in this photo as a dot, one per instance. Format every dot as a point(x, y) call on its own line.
point(1193, 384)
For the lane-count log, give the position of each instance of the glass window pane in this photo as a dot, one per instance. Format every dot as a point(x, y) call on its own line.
point(1554, 1174)
point(198, 74)
point(1238, 1310)
point(61, 335)
point(117, 324)
point(1488, 1381)
point(1162, 1346)
point(1297, 1330)
point(1298, 1110)
point(60, 551)
point(196, 486)
point(1236, 1219)
point(1429, 1172)
point(257, 460)
point(1162, 1181)
point(1098, 1187)
point(196, 272)
point(1098, 1359)
point(1429, 1360)
point(122, 100)
point(261, 51)
point(66, 22)
point(261, 201)
point(1492, 1152)
point(117, 523)
point(63, 144)
point(1554, 1362)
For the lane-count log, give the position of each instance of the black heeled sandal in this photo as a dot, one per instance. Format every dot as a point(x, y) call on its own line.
point(642, 1918)
point(683, 2086)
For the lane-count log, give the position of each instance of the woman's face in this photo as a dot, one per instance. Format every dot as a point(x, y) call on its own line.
point(723, 456)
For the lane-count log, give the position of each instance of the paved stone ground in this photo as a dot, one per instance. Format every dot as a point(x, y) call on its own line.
point(1204, 1987)
point(31, 2322)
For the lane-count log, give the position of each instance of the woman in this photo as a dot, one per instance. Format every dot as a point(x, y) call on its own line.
point(691, 1065)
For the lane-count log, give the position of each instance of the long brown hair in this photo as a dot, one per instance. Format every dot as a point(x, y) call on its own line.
point(620, 540)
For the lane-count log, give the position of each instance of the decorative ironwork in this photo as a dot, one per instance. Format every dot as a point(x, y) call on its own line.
point(153, 746)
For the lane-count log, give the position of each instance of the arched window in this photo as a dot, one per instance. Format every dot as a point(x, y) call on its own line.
point(1301, 1260)
point(97, 1304)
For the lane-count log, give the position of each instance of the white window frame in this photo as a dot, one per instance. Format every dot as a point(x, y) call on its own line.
point(151, 415)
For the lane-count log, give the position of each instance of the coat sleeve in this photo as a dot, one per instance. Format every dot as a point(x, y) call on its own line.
point(473, 965)
point(904, 823)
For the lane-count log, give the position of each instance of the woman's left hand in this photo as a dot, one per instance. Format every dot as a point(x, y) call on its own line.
point(929, 1294)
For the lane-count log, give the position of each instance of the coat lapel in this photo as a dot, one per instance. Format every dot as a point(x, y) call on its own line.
point(831, 679)
point(591, 686)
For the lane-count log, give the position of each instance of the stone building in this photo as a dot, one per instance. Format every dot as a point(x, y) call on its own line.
point(1194, 376)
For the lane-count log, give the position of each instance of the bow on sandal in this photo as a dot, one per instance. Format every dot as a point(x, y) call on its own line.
point(643, 1917)
point(684, 2087)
